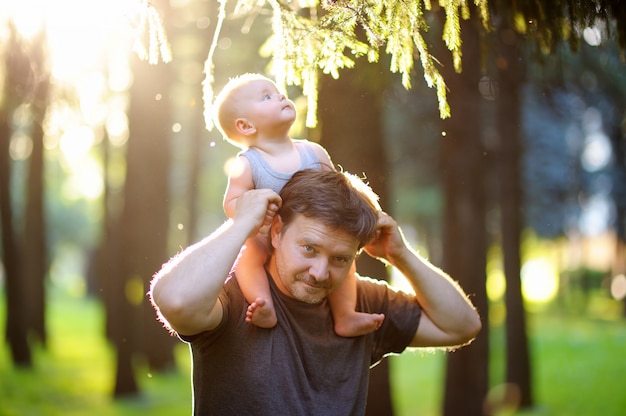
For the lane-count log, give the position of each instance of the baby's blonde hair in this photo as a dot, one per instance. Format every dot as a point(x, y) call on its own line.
point(225, 112)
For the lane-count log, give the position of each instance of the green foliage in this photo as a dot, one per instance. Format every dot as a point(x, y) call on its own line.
point(309, 36)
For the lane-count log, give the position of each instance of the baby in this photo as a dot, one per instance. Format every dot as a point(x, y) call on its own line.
point(252, 114)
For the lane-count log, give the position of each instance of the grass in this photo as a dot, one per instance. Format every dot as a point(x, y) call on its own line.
point(75, 375)
point(578, 369)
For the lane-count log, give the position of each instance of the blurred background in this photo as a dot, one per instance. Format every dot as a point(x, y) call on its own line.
point(107, 170)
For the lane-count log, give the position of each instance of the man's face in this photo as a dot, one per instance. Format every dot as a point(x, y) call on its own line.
point(310, 260)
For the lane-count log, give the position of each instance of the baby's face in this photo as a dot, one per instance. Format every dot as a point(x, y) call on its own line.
point(264, 105)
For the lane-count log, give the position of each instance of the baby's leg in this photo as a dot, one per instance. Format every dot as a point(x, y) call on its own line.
point(252, 279)
point(349, 322)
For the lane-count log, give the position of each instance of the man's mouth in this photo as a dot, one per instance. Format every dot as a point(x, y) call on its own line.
point(313, 285)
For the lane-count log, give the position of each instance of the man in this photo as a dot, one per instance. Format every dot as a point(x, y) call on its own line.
point(319, 223)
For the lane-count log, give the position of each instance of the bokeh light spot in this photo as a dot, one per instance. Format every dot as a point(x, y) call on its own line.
point(496, 285)
point(21, 147)
point(592, 36)
point(539, 280)
point(618, 287)
point(134, 290)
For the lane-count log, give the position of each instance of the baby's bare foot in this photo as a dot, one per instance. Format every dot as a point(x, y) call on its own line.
point(261, 313)
point(358, 323)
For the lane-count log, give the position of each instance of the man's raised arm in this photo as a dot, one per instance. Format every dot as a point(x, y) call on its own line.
point(449, 319)
point(185, 291)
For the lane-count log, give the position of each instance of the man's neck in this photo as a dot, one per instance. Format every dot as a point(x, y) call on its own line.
point(272, 274)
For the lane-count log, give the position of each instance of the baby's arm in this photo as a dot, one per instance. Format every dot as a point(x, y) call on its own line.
point(239, 181)
point(323, 156)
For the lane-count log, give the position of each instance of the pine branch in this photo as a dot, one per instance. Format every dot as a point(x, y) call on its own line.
point(302, 45)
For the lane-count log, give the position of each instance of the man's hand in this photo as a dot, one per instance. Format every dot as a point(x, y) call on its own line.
point(388, 243)
point(259, 206)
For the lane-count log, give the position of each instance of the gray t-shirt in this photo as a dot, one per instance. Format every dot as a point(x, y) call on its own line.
point(264, 176)
point(299, 367)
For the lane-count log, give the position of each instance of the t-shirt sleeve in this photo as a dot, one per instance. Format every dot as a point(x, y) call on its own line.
point(402, 316)
point(231, 300)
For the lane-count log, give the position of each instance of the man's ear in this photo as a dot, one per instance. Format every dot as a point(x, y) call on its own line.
point(276, 230)
point(244, 127)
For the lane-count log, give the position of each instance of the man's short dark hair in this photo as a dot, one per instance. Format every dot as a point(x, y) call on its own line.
point(340, 200)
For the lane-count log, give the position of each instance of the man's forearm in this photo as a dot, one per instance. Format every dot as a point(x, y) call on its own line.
point(186, 288)
point(441, 298)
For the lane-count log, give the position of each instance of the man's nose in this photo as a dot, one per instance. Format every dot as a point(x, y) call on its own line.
point(319, 269)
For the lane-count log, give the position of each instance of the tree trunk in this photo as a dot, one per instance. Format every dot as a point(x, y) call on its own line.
point(35, 264)
point(16, 328)
point(35, 252)
point(465, 234)
point(351, 130)
point(141, 233)
point(145, 218)
point(143, 225)
point(17, 86)
point(618, 144)
point(509, 126)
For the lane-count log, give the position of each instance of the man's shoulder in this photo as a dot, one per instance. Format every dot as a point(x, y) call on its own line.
point(370, 282)
point(372, 292)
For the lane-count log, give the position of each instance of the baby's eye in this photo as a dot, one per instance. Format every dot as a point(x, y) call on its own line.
point(267, 97)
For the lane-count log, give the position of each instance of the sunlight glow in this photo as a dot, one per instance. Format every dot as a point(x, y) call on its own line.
point(89, 43)
point(618, 287)
point(78, 30)
point(540, 280)
point(117, 127)
point(92, 89)
point(76, 142)
point(85, 173)
point(84, 182)
point(27, 15)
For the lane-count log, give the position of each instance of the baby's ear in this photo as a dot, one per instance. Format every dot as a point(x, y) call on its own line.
point(244, 127)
